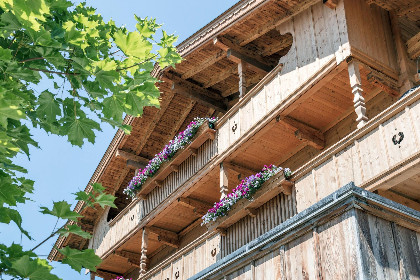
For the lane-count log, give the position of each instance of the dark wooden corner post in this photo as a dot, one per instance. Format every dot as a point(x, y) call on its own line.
point(143, 259)
point(356, 88)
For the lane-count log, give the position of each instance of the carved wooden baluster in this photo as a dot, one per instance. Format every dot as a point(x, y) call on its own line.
point(223, 181)
point(356, 87)
point(242, 80)
point(143, 258)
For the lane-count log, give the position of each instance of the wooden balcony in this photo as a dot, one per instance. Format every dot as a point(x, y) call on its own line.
point(203, 134)
point(109, 234)
point(383, 156)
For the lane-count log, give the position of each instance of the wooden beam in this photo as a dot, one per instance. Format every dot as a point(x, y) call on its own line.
point(413, 46)
point(195, 92)
point(237, 54)
point(164, 236)
point(135, 165)
point(242, 170)
point(223, 75)
point(273, 23)
point(105, 274)
point(305, 133)
point(407, 9)
point(240, 58)
point(282, 42)
point(132, 258)
point(332, 4)
point(130, 156)
point(383, 82)
point(152, 124)
point(399, 199)
point(252, 212)
point(219, 55)
point(203, 99)
point(180, 120)
point(199, 207)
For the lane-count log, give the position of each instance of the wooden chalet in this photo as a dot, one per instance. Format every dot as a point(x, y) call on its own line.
point(325, 88)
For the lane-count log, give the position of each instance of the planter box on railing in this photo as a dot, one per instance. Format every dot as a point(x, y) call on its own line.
point(275, 185)
point(203, 134)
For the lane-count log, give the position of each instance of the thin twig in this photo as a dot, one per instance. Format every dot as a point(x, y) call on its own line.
point(31, 59)
point(136, 64)
point(53, 72)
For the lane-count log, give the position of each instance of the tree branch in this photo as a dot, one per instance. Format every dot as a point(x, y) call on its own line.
point(31, 59)
point(136, 64)
point(53, 72)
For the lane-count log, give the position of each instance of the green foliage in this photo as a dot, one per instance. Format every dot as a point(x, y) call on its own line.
point(99, 73)
point(78, 259)
point(61, 210)
point(34, 269)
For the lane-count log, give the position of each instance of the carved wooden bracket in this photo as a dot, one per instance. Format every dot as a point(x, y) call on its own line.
point(199, 207)
point(305, 133)
point(164, 236)
point(383, 82)
point(133, 161)
point(221, 231)
point(252, 212)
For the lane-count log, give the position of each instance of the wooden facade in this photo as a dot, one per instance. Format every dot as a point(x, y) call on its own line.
point(325, 88)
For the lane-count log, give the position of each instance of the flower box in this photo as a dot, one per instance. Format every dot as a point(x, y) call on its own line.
point(269, 189)
point(203, 134)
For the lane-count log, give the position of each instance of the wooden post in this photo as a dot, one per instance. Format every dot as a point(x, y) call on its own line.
point(356, 88)
point(242, 80)
point(224, 181)
point(403, 61)
point(92, 275)
point(143, 258)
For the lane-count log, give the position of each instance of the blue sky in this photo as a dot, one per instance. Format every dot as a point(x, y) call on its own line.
point(60, 169)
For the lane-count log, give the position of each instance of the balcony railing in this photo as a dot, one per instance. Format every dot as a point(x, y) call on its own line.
point(368, 156)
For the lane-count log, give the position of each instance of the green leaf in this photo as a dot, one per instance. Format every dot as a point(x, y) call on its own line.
point(7, 215)
point(105, 200)
point(9, 192)
point(5, 54)
point(33, 269)
point(133, 44)
point(83, 196)
point(48, 107)
point(80, 129)
point(74, 229)
point(9, 109)
point(61, 210)
point(114, 106)
point(78, 259)
point(97, 187)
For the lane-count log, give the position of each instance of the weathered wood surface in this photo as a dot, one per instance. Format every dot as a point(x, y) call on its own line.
point(186, 170)
point(366, 155)
point(188, 261)
point(317, 38)
point(108, 234)
point(203, 134)
point(376, 42)
point(344, 242)
point(271, 188)
point(269, 215)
